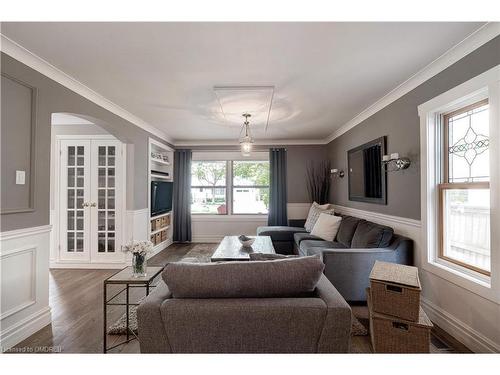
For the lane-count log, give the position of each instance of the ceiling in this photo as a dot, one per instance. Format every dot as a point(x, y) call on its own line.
point(323, 74)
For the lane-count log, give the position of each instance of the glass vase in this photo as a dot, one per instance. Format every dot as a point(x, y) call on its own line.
point(139, 265)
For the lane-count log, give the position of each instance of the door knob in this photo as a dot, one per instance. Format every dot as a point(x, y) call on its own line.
point(85, 204)
point(93, 204)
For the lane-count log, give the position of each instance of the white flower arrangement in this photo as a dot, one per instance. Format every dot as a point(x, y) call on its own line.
point(138, 247)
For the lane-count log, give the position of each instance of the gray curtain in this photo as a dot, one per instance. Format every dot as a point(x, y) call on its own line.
point(277, 189)
point(182, 195)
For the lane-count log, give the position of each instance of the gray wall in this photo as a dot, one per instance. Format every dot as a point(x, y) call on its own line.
point(52, 98)
point(17, 132)
point(399, 121)
point(298, 157)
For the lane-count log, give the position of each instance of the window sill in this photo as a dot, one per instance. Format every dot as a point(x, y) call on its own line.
point(470, 280)
point(242, 217)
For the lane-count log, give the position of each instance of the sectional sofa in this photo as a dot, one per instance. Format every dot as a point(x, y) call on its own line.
point(349, 258)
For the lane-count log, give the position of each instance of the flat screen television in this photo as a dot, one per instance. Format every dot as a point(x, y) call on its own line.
point(161, 197)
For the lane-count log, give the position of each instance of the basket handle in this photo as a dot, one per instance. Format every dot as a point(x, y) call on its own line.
point(393, 288)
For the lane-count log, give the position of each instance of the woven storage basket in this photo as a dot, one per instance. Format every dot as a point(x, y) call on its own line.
point(393, 335)
point(395, 290)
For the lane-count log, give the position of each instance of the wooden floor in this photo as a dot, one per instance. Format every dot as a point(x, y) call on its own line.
point(76, 300)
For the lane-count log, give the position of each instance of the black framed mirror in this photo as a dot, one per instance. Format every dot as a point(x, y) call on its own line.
point(367, 175)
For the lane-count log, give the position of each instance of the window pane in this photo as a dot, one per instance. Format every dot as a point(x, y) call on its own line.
point(250, 200)
point(208, 173)
point(208, 201)
point(468, 146)
point(251, 173)
point(467, 226)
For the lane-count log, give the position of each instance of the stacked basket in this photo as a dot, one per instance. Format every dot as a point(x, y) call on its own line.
point(397, 322)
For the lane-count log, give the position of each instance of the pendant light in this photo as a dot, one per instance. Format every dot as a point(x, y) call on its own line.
point(246, 142)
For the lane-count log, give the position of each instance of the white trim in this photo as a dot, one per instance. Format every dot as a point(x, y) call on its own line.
point(378, 216)
point(218, 155)
point(486, 84)
point(24, 232)
point(25, 328)
point(459, 51)
point(229, 218)
point(37, 63)
point(471, 338)
point(86, 137)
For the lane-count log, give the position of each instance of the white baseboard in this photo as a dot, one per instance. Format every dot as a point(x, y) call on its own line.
point(25, 328)
point(207, 239)
point(467, 335)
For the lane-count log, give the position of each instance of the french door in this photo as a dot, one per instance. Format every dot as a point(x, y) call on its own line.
point(90, 217)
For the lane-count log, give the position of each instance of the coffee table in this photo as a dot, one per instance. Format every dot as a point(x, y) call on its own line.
point(230, 249)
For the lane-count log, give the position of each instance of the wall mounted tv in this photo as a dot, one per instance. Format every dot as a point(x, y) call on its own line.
point(161, 197)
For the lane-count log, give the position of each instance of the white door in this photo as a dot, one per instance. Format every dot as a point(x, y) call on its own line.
point(74, 196)
point(91, 196)
point(106, 198)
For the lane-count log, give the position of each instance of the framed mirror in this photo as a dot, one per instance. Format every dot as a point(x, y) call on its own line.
point(367, 176)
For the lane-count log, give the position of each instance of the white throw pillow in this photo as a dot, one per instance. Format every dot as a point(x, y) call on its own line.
point(326, 226)
point(314, 213)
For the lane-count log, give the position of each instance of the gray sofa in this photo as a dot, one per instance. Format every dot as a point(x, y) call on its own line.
point(201, 313)
point(350, 257)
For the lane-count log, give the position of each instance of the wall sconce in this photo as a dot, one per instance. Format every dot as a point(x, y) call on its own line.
point(393, 162)
point(337, 173)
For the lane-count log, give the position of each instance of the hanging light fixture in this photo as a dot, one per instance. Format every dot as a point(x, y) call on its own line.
point(246, 142)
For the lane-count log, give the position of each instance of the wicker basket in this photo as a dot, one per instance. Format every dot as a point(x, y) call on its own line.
point(395, 290)
point(393, 335)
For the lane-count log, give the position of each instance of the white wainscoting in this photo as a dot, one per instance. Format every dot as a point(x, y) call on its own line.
point(24, 262)
point(212, 228)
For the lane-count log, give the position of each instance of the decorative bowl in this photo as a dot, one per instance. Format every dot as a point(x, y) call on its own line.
point(246, 241)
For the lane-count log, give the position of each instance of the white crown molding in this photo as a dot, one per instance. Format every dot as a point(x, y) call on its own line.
point(42, 66)
point(454, 54)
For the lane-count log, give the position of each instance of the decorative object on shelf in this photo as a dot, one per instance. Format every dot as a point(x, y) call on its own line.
point(393, 162)
point(318, 181)
point(247, 141)
point(139, 251)
point(159, 156)
point(246, 241)
point(337, 173)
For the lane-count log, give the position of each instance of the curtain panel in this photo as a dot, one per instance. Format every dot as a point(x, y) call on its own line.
point(278, 187)
point(182, 196)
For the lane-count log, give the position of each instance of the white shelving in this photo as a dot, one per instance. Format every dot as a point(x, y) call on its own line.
point(160, 226)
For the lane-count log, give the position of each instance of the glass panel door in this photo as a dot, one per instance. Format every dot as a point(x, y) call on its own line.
point(74, 206)
point(106, 200)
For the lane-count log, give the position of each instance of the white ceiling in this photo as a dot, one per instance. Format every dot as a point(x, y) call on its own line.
point(323, 74)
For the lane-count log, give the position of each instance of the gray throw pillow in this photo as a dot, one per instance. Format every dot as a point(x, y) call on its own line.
point(274, 278)
point(347, 228)
point(371, 235)
point(314, 213)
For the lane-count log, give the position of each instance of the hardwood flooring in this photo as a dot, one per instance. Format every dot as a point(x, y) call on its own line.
point(76, 299)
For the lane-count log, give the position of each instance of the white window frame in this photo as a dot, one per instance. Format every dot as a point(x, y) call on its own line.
point(485, 85)
point(229, 157)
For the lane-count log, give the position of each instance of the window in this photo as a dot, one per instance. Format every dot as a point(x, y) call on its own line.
point(208, 187)
point(464, 194)
point(250, 187)
point(222, 187)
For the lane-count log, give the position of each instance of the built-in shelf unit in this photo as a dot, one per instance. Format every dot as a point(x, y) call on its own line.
point(161, 168)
